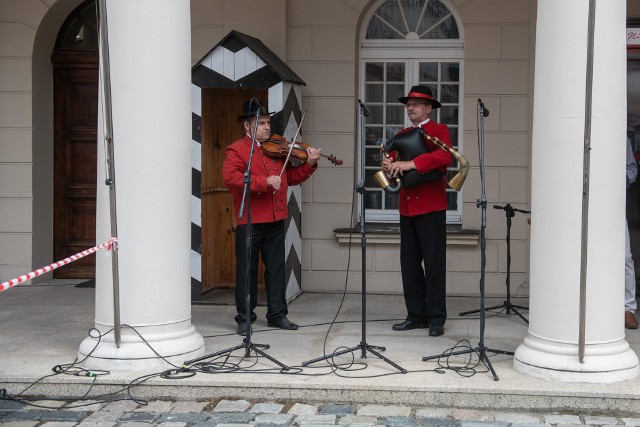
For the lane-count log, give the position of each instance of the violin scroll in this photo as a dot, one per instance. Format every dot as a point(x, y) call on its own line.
point(333, 159)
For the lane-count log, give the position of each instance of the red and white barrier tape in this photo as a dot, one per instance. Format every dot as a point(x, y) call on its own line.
point(108, 245)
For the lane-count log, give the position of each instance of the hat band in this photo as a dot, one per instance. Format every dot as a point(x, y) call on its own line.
point(419, 95)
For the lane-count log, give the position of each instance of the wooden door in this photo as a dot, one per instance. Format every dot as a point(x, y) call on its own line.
point(75, 97)
point(220, 128)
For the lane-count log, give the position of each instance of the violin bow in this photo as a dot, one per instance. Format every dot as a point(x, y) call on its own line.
point(293, 143)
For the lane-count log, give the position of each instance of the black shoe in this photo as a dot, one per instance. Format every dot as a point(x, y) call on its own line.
point(409, 324)
point(282, 323)
point(436, 330)
point(242, 328)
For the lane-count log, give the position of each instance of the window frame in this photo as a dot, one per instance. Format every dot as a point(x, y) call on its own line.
point(411, 77)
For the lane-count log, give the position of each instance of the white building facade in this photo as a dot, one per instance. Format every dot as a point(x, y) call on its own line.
point(343, 50)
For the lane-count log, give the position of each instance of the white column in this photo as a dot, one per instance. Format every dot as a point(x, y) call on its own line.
point(550, 350)
point(149, 46)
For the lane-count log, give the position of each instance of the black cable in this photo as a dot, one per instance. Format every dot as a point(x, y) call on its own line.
point(468, 368)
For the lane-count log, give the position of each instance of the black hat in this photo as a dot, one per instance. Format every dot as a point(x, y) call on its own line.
point(421, 92)
point(251, 108)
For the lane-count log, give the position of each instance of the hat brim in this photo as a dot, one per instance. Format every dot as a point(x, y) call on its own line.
point(434, 103)
point(248, 116)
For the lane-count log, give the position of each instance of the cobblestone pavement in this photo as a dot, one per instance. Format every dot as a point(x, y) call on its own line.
point(241, 413)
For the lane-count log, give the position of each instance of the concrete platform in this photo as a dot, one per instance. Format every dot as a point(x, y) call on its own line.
point(44, 324)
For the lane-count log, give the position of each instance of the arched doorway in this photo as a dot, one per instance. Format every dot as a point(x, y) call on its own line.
point(75, 103)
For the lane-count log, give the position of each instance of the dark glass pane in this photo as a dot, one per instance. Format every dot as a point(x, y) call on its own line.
point(373, 136)
point(452, 200)
point(375, 114)
point(394, 91)
point(412, 13)
point(374, 72)
point(428, 72)
point(378, 29)
point(450, 72)
point(374, 92)
point(373, 157)
point(449, 115)
point(435, 13)
point(373, 199)
point(80, 36)
point(453, 133)
point(391, 201)
point(369, 178)
point(391, 13)
point(89, 16)
point(449, 94)
point(395, 72)
point(395, 114)
point(81, 30)
point(447, 29)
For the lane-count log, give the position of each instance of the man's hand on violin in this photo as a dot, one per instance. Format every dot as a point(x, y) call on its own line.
point(274, 181)
point(313, 154)
point(398, 168)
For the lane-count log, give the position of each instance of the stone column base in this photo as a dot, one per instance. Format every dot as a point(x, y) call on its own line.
point(603, 362)
point(134, 354)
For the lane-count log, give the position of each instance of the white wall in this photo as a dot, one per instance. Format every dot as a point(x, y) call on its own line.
point(17, 33)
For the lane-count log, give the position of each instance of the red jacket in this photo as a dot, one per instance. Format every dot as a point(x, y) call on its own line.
point(266, 206)
point(430, 196)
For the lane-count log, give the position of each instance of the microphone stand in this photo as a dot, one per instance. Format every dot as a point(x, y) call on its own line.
point(246, 195)
point(480, 349)
point(363, 346)
point(510, 212)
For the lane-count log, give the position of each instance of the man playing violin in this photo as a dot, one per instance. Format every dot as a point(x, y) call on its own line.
point(423, 237)
point(268, 210)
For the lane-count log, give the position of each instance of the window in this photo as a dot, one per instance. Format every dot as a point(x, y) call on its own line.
point(80, 30)
point(408, 42)
point(412, 19)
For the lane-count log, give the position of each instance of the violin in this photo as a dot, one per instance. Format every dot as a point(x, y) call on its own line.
point(277, 146)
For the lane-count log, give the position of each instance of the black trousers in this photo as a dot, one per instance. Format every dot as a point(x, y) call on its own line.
point(268, 241)
point(423, 240)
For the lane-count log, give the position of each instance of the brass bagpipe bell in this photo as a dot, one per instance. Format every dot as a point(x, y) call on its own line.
point(388, 183)
point(409, 145)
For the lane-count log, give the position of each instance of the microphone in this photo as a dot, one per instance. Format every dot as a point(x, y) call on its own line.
point(485, 111)
point(365, 112)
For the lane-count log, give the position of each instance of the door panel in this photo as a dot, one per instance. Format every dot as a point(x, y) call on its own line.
point(220, 128)
point(74, 182)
